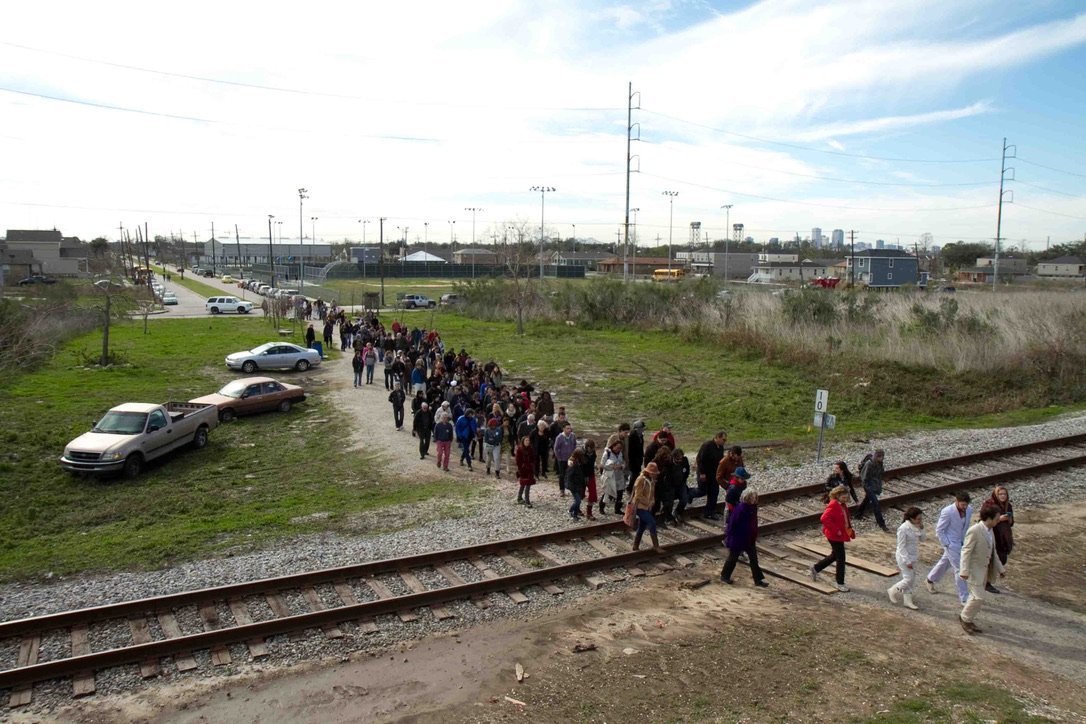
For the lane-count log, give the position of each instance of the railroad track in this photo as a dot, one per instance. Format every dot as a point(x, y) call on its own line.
point(251, 612)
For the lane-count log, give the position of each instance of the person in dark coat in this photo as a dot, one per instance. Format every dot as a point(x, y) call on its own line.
point(310, 336)
point(709, 456)
point(635, 451)
point(576, 482)
point(421, 425)
point(1004, 537)
point(663, 491)
point(742, 537)
point(680, 473)
point(841, 475)
point(398, 399)
point(526, 462)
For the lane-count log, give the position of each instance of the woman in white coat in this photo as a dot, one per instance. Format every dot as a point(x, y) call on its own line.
point(909, 535)
point(613, 465)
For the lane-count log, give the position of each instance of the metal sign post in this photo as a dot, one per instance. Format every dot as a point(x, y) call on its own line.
point(822, 399)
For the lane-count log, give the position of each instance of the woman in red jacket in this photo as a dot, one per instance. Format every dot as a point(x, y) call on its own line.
point(526, 458)
point(837, 527)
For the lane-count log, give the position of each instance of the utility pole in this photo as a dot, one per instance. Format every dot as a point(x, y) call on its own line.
point(146, 247)
point(213, 270)
point(852, 266)
point(629, 161)
point(271, 250)
point(999, 213)
point(473, 209)
point(670, 226)
point(727, 236)
point(381, 261)
point(302, 196)
point(237, 242)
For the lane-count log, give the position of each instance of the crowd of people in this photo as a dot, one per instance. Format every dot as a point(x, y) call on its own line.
point(497, 424)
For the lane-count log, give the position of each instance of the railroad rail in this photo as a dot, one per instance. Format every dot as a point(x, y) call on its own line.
point(572, 552)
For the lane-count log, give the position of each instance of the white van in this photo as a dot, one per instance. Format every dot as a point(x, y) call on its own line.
point(219, 305)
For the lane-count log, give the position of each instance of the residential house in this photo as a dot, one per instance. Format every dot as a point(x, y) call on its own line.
point(53, 252)
point(770, 272)
point(638, 266)
point(883, 268)
point(590, 260)
point(1066, 267)
point(475, 256)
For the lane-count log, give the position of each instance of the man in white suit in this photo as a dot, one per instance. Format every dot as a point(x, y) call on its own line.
point(979, 564)
point(953, 522)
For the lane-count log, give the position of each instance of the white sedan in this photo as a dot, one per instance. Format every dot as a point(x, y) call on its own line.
point(274, 356)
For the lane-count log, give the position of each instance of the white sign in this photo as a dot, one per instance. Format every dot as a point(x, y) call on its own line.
point(822, 399)
point(830, 420)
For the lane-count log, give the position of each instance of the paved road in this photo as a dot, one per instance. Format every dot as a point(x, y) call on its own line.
point(191, 304)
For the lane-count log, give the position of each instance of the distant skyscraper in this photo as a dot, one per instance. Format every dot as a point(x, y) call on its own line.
point(838, 238)
point(880, 244)
point(816, 237)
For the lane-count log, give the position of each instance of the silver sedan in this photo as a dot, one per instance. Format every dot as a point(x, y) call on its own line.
point(274, 356)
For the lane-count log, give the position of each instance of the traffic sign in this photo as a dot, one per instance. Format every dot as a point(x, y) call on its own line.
point(822, 400)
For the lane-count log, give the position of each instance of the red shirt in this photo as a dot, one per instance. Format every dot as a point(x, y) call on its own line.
point(836, 522)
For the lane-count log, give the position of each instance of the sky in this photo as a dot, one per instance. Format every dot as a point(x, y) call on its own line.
point(886, 117)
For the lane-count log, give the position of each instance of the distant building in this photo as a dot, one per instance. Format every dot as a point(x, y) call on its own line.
point(475, 256)
point(816, 237)
point(790, 271)
point(1066, 267)
point(737, 265)
point(884, 268)
point(838, 239)
point(365, 254)
point(590, 260)
point(232, 254)
point(641, 266)
point(53, 253)
point(880, 244)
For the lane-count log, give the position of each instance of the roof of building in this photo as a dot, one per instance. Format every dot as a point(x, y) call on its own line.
point(1058, 260)
point(793, 264)
point(659, 261)
point(586, 255)
point(34, 235)
point(886, 253)
point(474, 251)
point(423, 256)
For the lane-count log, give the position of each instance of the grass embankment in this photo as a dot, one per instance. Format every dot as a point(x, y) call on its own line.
point(260, 478)
point(607, 376)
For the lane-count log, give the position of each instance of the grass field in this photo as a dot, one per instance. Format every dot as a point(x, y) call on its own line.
point(352, 291)
point(609, 376)
point(260, 478)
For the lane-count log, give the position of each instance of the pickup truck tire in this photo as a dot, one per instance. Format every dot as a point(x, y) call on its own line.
point(199, 440)
point(431, 305)
point(133, 466)
point(302, 365)
point(226, 415)
point(242, 310)
point(214, 310)
point(284, 406)
point(409, 305)
point(249, 367)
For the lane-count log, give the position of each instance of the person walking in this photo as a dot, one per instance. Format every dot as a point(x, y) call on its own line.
point(979, 564)
point(357, 365)
point(418, 376)
point(398, 399)
point(613, 465)
point(725, 471)
point(871, 478)
point(643, 497)
point(635, 451)
point(742, 537)
point(421, 425)
point(388, 369)
point(910, 534)
point(841, 475)
point(708, 459)
point(1004, 537)
point(564, 445)
point(310, 336)
point(492, 446)
point(575, 482)
point(541, 437)
point(443, 435)
point(589, 467)
point(950, 530)
point(525, 461)
point(837, 527)
point(465, 433)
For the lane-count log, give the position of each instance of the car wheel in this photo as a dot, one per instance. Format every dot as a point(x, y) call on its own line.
point(249, 367)
point(302, 365)
point(433, 304)
point(226, 415)
point(214, 310)
point(199, 440)
point(243, 310)
point(133, 466)
point(410, 305)
point(284, 406)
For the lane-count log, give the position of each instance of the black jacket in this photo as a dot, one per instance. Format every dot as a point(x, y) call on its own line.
point(709, 456)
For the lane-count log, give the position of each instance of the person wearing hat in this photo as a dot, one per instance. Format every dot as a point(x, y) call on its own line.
point(736, 486)
point(492, 446)
point(421, 425)
point(644, 493)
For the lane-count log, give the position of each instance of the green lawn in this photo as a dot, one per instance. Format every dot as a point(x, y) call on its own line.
point(352, 291)
point(260, 478)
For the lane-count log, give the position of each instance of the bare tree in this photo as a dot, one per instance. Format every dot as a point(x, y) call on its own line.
point(519, 259)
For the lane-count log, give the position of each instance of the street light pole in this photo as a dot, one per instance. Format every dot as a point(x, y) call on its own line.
point(302, 196)
point(271, 249)
point(670, 226)
point(574, 238)
point(633, 248)
point(472, 209)
point(543, 190)
point(452, 236)
point(727, 236)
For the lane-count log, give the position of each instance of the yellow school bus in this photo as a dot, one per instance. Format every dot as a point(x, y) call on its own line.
point(668, 275)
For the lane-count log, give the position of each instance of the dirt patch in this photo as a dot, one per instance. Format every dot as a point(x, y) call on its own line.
point(662, 653)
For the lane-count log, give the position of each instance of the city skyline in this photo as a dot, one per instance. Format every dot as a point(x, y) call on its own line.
point(887, 118)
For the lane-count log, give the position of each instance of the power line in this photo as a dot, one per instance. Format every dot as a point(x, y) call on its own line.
point(1042, 188)
point(1046, 211)
point(858, 181)
point(819, 150)
point(1051, 168)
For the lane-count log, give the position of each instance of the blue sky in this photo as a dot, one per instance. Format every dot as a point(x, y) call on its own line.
point(885, 116)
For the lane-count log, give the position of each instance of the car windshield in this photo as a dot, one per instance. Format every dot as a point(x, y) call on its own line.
point(234, 389)
point(122, 423)
point(262, 348)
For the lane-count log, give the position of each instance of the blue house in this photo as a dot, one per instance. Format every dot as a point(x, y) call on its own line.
point(883, 268)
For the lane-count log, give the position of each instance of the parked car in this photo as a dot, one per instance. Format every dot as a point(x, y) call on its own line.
point(219, 305)
point(226, 279)
point(449, 300)
point(252, 394)
point(134, 433)
point(280, 293)
point(36, 279)
point(262, 289)
point(417, 301)
point(274, 355)
point(207, 273)
point(169, 298)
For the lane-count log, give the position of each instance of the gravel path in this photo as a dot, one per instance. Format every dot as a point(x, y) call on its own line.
point(495, 517)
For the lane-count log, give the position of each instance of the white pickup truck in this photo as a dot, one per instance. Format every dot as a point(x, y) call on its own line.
point(131, 434)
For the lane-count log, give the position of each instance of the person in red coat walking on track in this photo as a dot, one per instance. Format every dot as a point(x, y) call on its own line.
point(526, 460)
point(837, 527)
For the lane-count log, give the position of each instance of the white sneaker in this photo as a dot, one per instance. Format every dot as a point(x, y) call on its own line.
point(893, 594)
point(842, 588)
point(930, 586)
point(813, 572)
